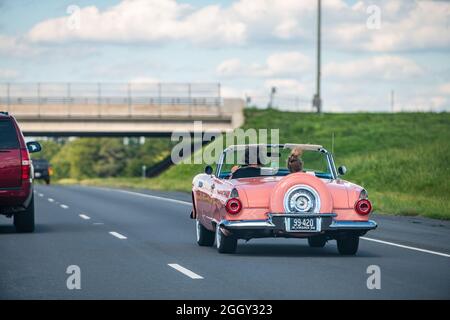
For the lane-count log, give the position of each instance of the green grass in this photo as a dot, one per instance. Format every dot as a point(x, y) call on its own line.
point(401, 159)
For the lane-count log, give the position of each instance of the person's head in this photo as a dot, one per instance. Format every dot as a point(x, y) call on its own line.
point(294, 163)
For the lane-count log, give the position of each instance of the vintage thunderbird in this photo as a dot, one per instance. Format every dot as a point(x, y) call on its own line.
point(245, 199)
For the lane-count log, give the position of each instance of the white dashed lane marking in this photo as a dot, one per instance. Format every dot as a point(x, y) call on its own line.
point(117, 235)
point(64, 206)
point(185, 271)
point(51, 200)
point(85, 217)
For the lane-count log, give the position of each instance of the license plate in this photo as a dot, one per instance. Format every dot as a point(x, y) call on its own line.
point(302, 224)
point(37, 174)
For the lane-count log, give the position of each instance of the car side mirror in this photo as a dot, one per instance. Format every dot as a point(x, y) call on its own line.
point(342, 170)
point(208, 170)
point(33, 146)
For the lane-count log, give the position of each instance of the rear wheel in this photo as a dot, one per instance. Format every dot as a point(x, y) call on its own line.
point(24, 220)
point(225, 244)
point(47, 181)
point(348, 245)
point(205, 238)
point(317, 241)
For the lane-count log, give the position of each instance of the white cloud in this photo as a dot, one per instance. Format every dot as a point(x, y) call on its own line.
point(16, 46)
point(405, 25)
point(386, 67)
point(143, 79)
point(444, 88)
point(8, 74)
point(287, 86)
point(276, 65)
point(143, 21)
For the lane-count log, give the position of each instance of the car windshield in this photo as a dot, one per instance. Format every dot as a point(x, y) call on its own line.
point(274, 161)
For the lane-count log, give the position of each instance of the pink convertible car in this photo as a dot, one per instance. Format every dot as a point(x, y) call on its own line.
point(243, 199)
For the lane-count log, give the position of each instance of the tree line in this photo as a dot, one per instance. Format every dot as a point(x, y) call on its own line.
point(83, 158)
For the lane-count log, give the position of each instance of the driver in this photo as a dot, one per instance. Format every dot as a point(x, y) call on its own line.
point(251, 167)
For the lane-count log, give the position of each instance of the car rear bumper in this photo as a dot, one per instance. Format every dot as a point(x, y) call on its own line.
point(276, 225)
point(14, 199)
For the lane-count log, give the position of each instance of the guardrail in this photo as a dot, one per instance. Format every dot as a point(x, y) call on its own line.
point(111, 93)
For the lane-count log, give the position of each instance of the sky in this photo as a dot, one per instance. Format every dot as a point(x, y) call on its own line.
point(370, 49)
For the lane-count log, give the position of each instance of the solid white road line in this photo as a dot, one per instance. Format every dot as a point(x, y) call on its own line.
point(185, 271)
point(85, 217)
point(64, 206)
point(155, 197)
point(117, 235)
point(407, 247)
point(50, 200)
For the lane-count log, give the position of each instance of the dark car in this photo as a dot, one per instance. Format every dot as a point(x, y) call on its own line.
point(42, 170)
point(16, 174)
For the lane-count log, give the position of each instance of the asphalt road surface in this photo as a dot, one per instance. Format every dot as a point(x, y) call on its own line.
point(141, 245)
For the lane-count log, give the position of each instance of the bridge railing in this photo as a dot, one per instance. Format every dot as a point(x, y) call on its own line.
point(42, 98)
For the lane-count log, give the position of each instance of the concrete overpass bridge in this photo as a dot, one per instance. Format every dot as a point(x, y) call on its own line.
point(141, 109)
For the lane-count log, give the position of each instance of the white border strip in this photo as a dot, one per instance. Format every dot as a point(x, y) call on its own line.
point(407, 247)
point(185, 271)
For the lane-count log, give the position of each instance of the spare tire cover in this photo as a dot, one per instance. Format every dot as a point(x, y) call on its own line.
point(300, 193)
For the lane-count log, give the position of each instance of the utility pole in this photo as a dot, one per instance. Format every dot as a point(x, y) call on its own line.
point(272, 95)
point(392, 101)
point(317, 100)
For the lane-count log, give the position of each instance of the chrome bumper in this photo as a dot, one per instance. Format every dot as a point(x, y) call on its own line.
point(351, 225)
point(328, 223)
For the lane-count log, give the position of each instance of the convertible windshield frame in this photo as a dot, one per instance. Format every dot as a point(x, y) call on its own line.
point(308, 147)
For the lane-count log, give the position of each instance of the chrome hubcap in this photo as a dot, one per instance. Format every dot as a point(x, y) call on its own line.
point(301, 199)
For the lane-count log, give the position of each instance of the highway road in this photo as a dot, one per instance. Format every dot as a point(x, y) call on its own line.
point(141, 245)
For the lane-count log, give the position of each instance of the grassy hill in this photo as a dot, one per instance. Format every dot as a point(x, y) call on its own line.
point(401, 159)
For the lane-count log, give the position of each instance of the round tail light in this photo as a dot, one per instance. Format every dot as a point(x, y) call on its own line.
point(363, 207)
point(233, 206)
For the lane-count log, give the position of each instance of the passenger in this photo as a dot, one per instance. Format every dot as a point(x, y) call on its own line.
point(294, 162)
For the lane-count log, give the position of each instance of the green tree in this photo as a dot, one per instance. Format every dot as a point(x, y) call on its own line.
point(111, 158)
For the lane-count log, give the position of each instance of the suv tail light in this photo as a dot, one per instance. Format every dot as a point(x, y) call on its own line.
point(233, 206)
point(363, 207)
point(26, 164)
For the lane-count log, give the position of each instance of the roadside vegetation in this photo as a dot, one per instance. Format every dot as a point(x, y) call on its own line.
point(402, 159)
point(102, 157)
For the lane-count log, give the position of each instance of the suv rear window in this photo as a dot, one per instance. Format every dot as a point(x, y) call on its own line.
point(8, 135)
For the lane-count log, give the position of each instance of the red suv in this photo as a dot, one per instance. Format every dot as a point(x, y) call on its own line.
point(16, 174)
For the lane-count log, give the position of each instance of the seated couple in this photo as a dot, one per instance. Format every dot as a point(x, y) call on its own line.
point(294, 164)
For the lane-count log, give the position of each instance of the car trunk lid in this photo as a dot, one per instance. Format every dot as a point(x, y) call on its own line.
point(257, 190)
